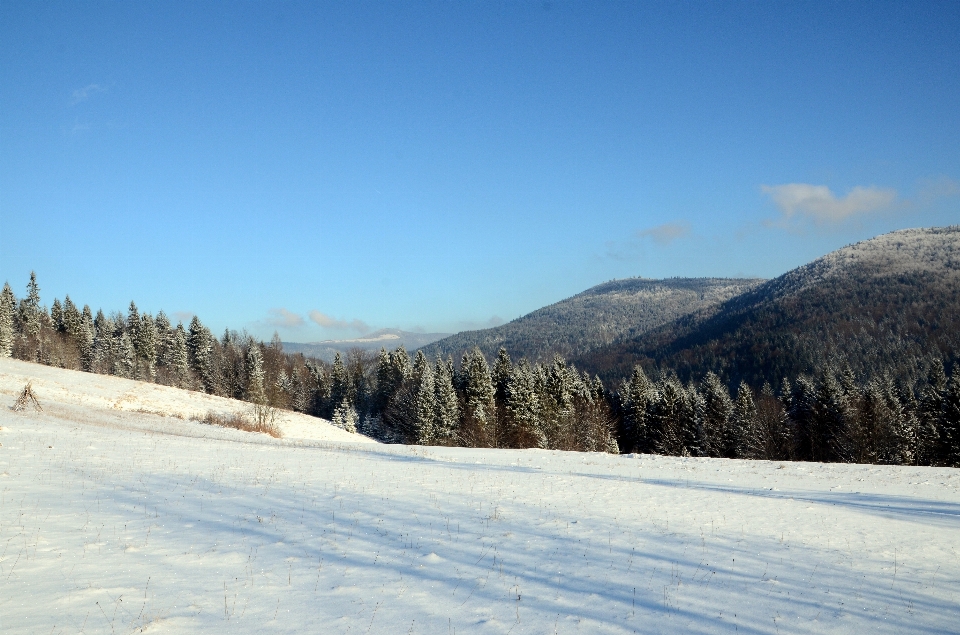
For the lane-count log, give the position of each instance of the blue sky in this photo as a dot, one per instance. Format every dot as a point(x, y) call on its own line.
point(326, 168)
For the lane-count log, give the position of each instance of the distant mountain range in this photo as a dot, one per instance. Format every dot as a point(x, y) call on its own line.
point(888, 304)
point(384, 338)
point(596, 318)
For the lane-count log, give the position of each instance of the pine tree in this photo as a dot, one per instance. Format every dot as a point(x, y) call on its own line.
point(743, 435)
point(478, 404)
point(30, 308)
point(718, 407)
point(56, 316)
point(71, 320)
point(446, 418)
point(339, 382)
point(164, 340)
point(523, 409)
point(950, 421)
point(200, 347)
point(345, 416)
point(180, 357)
point(636, 396)
point(425, 407)
point(932, 400)
point(145, 346)
point(7, 308)
point(85, 340)
point(500, 376)
point(667, 417)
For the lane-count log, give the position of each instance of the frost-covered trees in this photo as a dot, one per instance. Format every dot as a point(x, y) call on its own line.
point(7, 305)
point(254, 391)
point(477, 428)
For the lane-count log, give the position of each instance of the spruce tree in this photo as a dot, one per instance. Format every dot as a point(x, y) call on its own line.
point(56, 316)
point(85, 340)
point(636, 396)
point(932, 400)
point(500, 376)
point(180, 357)
point(71, 320)
point(667, 417)
point(743, 437)
point(7, 308)
point(30, 308)
point(718, 408)
point(523, 409)
point(424, 413)
point(200, 346)
point(478, 405)
point(446, 419)
point(339, 382)
point(950, 421)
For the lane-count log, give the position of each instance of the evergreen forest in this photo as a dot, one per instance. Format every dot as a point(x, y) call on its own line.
point(832, 415)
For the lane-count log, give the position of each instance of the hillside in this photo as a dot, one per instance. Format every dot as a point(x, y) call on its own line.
point(599, 316)
point(384, 338)
point(115, 520)
point(881, 305)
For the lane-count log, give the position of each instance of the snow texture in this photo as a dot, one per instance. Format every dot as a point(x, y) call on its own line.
point(119, 521)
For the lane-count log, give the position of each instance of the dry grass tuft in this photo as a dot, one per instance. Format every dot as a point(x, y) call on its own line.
point(27, 398)
point(266, 425)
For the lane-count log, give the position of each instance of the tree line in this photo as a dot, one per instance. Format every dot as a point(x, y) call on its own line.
point(831, 415)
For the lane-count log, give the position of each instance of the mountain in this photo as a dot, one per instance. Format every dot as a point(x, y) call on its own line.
point(386, 338)
point(597, 317)
point(881, 305)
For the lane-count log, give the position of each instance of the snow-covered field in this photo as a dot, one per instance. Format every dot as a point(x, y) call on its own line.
point(114, 520)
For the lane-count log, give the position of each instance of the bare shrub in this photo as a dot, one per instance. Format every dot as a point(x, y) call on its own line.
point(265, 422)
point(27, 398)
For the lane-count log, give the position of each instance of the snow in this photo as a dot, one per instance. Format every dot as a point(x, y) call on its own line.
point(119, 521)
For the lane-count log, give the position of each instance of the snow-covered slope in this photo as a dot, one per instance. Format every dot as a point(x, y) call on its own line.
point(118, 521)
point(87, 395)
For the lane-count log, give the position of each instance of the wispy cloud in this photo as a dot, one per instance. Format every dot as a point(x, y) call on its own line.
point(325, 321)
point(666, 233)
point(282, 318)
point(635, 246)
point(83, 94)
point(934, 189)
point(822, 206)
point(183, 316)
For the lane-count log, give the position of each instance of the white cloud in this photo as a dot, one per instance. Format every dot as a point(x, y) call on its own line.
point(666, 233)
point(819, 204)
point(83, 94)
point(282, 318)
point(325, 321)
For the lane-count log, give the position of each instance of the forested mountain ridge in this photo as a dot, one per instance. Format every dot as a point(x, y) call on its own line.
point(887, 303)
point(594, 318)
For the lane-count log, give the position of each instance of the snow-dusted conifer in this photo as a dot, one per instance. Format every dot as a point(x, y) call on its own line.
point(30, 308)
point(716, 416)
point(523, 409)
point(425, 401)
point(339, 381)
point(478, 404)
point(56, 316)
point(743, 424)
point(446, 407)
point(345, 416)
point(180, 357)
point(950, 421)
point(255, 392)
point(7, 308)
point(637, 395)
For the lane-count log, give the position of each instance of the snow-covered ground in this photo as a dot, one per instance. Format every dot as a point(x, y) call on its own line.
point(119, 521)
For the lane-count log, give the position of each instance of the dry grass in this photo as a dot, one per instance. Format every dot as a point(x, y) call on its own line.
point(27, 398)
point(266, 425)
